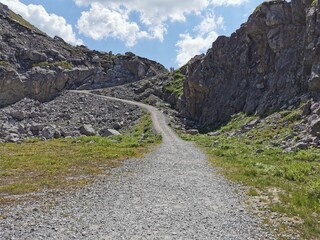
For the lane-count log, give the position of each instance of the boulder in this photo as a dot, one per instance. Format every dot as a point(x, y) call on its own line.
point(87, 130)
point(301, 145)
point(315, 127)
point(314, 82)
point(48, 132)
point(12, 137)
point(18, 115)
point(306, 108)
point(106, 132)
point(192, 131)
point(36, 128)
point(315, 108)
point(33, 55)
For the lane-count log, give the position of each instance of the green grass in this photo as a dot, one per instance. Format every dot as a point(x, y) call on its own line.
point(254, 159)
point(4, 63)
point(23, 22)
point(34, 165)
point(63, 64)
point(175, 85)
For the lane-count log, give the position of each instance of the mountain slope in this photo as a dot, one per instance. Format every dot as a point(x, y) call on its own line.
point(36, 66)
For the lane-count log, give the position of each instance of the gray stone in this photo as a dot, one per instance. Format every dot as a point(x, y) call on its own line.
point(301, 145)
point(87, 130)
point(35, 128)
point(106, 132)
point(214, 134)
point(48, 132)
point(314, 82)
point(306, 108)
point(18, 115)
point(315, 108)
point(192, 131)
point(12, 137)
point(315, 127)
point(117, 126)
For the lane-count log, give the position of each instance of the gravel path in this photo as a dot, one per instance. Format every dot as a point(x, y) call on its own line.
point(171, 193)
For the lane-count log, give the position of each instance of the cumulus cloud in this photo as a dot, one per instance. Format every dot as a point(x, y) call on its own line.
point(99, 23)
point(205, 34)
point(153, 16)
point(49, 23)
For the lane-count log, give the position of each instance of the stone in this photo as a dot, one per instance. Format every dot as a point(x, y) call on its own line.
point(314, 82)
point(106, 132)
point(35, 128)
point(315, 108)
point(315, 127)
point(12, 137)
point(117, 126)
point(301, 145)
point(48, 132)
point(214, 134)
point(311, 118)
point(306, 108)
point(192, 131)
point(18, 115)
point(87, 130)
point(95, 59)
point(57, 134)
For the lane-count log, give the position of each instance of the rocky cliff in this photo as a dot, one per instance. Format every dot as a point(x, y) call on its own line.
point(271, 62)
point(36, 66)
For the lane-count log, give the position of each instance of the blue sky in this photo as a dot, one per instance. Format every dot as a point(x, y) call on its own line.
point(169, 32)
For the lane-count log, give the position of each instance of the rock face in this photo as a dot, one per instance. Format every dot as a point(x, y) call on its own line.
point(36, 66)
point(270, 60)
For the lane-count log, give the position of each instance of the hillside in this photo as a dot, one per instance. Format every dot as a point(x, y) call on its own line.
point(36, 66)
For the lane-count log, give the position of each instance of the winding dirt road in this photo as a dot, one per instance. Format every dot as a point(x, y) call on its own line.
point(171, 193)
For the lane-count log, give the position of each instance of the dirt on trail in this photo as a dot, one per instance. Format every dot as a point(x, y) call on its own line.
point(171, 193)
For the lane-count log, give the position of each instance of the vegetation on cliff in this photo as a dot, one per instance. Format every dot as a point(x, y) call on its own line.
point(175, 84)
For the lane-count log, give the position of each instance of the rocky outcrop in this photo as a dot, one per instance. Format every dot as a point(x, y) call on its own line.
point(36, 66)
point(264, 66)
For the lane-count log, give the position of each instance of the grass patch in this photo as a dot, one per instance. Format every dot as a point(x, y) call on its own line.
point(252, 158)
point(4, 63)
point(23, 22)
point(175, 85)
point(63, 64)
point(34, 165)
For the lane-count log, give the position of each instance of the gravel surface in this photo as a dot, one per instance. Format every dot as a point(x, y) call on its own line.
point(171, 193)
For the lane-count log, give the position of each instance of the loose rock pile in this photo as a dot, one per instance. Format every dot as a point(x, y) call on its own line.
point(69, 115)
point(309, 128)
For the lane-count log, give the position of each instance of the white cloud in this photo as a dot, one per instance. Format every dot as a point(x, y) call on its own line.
point(227, 2)
point(48, 23)
point(153, 16)
point(189, 46)
point(99, 23)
